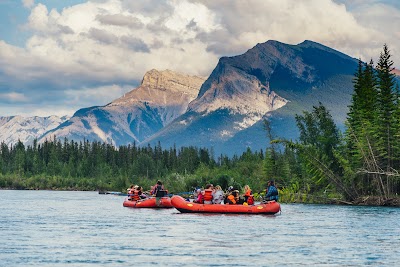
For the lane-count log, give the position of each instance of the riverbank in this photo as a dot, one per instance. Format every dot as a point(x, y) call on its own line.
point(361, 201)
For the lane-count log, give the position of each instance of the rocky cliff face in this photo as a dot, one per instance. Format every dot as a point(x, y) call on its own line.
point(16, 128)
point(161, 97)
point(273, 80)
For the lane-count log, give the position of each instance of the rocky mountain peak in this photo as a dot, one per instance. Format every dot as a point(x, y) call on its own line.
point(157, 86)
point(173, 81)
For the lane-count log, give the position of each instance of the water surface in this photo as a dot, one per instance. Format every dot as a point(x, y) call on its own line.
point(52, 228)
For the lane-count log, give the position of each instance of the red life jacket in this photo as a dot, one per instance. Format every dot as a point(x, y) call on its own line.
point(250, 200)
point(135, 195)
point(208, 195)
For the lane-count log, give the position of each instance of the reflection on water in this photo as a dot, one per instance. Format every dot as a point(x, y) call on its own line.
point(47, 228)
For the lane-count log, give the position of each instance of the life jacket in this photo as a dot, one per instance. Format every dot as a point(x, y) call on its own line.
point(250, 200)
point(247, 193)
point(231, 199)
point(208, 195)
point(135, 195)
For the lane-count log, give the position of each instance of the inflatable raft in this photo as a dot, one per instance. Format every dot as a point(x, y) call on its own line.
point(153, 202)
point(189, 207)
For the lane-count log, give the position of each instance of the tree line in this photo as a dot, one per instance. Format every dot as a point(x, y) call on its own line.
point(85, 165)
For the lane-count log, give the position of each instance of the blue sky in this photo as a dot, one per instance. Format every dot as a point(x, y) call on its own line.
point(13, 15)
point(59, 56)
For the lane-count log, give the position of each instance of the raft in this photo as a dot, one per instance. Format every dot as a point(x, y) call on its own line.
point(184, 206)
point(153, 202)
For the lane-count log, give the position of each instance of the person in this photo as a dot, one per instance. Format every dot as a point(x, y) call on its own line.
point(208, 194)
point(248, 196)
point(200, 197)
point(227, 194)
point(130, 188)
point(233, 197)
point(158, 189)
point(271, 192)
point(136, 193)
point(130, 191)
point(141, 194)
point(218, 195)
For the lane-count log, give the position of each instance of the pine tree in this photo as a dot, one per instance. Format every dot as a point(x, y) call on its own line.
point(387, 99)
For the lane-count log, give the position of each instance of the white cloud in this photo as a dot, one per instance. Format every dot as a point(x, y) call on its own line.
point(385, 21)
point(104, 42)
point(28, 3)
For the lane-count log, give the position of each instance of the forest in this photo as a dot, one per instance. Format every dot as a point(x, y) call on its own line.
point(359, 165)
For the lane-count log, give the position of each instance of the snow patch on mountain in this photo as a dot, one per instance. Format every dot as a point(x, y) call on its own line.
point(26, 129)
point(247, 121)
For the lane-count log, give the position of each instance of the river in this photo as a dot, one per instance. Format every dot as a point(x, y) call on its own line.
point(59, 228)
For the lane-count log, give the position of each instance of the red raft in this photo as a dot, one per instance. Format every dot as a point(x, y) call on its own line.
point(189, 207)
point(153, 202)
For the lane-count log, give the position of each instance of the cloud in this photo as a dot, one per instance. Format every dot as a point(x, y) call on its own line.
point(28, 3)
point(120, 20)
point(103, 36)
point(13, 97)
point(384, 20)
point(100, 94)
point(135, 44)
point(102, 43)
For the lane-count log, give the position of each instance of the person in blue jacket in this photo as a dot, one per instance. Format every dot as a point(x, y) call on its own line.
point(272, 192)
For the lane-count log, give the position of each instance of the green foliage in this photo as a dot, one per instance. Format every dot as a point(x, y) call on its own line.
point(69, 165)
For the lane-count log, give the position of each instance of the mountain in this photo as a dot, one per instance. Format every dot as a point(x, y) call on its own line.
point(272, 80)
point(161, 97)
point(16, 128)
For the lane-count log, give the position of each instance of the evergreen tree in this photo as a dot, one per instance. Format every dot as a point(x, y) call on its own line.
point(387, 127)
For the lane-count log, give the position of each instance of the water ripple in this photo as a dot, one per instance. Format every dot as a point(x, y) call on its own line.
point(52, 228)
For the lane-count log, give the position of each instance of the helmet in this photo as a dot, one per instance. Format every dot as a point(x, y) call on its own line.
point(230, 188)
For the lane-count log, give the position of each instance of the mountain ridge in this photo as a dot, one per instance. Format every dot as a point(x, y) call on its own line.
point(26, 129)
point(161, 97)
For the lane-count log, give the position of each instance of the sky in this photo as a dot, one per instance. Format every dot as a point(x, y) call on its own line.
point(59, 56)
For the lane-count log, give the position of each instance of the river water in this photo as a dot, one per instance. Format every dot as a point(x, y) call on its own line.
point(53, 228)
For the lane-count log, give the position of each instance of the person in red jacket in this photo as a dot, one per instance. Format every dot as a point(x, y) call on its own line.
point(200, 197)
point(208, 194)
point(136, 193)
point(248, 196)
